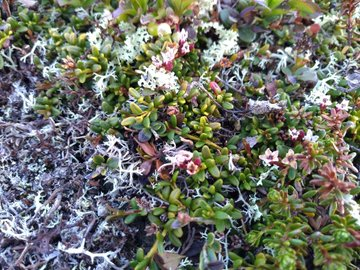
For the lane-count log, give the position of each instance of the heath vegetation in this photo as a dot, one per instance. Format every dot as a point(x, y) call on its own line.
point(179, 134)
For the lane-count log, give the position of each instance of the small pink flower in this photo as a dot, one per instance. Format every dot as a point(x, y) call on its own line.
point(178, 159)
point(192, 168)
point(197, 161)
point(183, 35)
point(215, 87)
point(183, 157)
point(169, 54)
point(269, 156)
point(185, 48)
point(156, 61)
point(294, 134)
point(290, 159)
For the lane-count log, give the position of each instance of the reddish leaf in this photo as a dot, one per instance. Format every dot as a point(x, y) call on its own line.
point(314, 29)
point(148, 148)
point(146, 166)
point(248, 14)
point(164, 173)
point(271, 88)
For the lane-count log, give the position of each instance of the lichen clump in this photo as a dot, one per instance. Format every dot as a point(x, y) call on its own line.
point(179, 134)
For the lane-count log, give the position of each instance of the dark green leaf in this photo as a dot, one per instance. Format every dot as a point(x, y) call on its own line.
point(144, 135)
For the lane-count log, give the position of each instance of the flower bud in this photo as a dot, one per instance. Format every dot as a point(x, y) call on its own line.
point(215, 87)
point(164, 29)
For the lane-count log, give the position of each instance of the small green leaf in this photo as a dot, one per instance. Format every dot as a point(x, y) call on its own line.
point(227, 105)
point(272, 4)
point(225, 17)
point(98, 159)
point(220, 225)
point(130, 218)
point(305, 7)
point(146, 122)
point(355, 191)
point(221, 215)
point(135, 109)
point(205, 152)
point(214, 171)
point(174, 196)
point(106, 107)
point(309, 194)
point(260, 259)
point(292, 173)
point(247, 35)
point(133, 92)
point(128, 121)
point(174, 240)
point(82, 77)
point(1, 62)
point(112, 163)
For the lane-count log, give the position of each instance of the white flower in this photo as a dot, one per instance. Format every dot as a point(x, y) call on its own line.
point(183, 35)
point(310, 137)
point(322, 99)
point(156, 61)
point(269, 156)
point(294, 133)
point(344, 105)
point(169, 55)
point(185, 48)
point(164, 29)
point(290, 159)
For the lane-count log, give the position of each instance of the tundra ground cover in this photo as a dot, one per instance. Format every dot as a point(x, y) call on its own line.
point(179, 134)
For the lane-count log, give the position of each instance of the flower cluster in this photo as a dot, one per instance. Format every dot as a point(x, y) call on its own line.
point(181, 159)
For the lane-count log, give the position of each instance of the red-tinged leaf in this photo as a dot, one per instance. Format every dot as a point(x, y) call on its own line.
point(271, 89)
point(148, 148)
point(164, 173)
point(247, 147)
point(168, 260)
point(248, 14)
point(6, 7)
point(146, 167)
point(314, 29)
point(353, 244)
